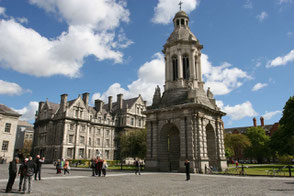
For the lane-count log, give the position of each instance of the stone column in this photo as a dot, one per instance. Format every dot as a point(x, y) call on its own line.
point(180, 65)
point(192, 65)
point(167, 68)
point(199, 67)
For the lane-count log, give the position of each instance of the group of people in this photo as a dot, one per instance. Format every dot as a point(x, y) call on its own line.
point(64, 164)
point(26, 171)
point(98, 166)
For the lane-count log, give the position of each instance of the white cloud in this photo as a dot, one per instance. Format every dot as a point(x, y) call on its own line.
point(290, 34)
point(269, 115)
point(263, 15)
point(91, 31)
point(259, 86)
point(28, 112)
point(166, 9)
point(2, 11)
point(248, 4)
point(281, 60)
point(11, 88)
point(150, 74)
point(22, 20)
point(238, 111)
point(284, 1)
point(222, 79)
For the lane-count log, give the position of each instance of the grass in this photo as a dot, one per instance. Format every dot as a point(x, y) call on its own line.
point(271, 170)
point(114, 167)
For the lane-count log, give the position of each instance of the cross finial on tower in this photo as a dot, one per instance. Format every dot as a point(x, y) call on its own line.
point(180, 4)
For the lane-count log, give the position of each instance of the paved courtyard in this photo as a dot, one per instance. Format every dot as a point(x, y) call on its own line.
point(80, 182)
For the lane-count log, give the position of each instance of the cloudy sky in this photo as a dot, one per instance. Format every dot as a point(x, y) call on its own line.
point(106, 47)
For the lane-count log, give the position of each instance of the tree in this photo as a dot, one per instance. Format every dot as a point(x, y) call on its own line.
point(237, 143)
point(283, 139)
point(133, 144)
point(259, 148)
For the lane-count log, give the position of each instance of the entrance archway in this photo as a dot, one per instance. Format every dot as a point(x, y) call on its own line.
point(170, 148)
point(211, 146)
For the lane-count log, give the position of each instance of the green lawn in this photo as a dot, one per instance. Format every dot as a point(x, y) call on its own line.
point(271, 170)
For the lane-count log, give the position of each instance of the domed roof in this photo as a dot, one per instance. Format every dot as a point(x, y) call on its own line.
point(183, 34)
point(181, 14)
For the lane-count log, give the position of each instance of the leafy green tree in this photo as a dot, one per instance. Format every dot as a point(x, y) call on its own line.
point(133, 144)
point(237, 143)
point(259, 148)
point(283, 139)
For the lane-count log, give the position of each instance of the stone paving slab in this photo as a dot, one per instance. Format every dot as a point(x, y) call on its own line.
point(118, 183)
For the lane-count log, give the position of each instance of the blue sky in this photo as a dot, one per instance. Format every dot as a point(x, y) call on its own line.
point(106, 47)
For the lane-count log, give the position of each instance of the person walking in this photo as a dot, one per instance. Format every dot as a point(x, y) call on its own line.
point(30, 167)
point(138, 167)
point(21, 173)
point(12, 174)
point(38, 162)
point(187, 165)
point(93, 163)
point(58, 167)
point(99, 164)
point(66, 167)
point(104, 167)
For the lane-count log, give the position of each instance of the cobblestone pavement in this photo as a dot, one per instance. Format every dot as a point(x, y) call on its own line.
point(80, 182)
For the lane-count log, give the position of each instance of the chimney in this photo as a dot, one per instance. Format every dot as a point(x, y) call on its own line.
point(254, 122)
point(86, 98)
point(63, 102)
point(119, 101)
point(41, 104)
point(109, 103)
point(262, 121)
point(145, 103)
point(99, 105)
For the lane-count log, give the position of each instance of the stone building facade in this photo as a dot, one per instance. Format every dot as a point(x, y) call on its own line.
point(24, 138)
point(184, 122)
point(75, 130)
point(8, 126)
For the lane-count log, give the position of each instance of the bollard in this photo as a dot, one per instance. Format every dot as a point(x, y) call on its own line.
point(242, 171)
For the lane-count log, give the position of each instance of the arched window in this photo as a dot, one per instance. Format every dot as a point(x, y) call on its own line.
point(186, 22)
point(175, 67)
point(178, 22)
point(186, 73)
point(182, 22)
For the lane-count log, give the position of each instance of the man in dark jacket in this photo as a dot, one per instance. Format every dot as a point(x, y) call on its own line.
point(187, 165)
point(138, 167)
point(12, 174)
point(93, 166)
point(21, 173)
point(30, 170)
point(38, 162)
point(99, 164)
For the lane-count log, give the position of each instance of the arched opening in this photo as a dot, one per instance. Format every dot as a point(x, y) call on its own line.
point(170, 148)
point(182, 22)
point(211, 146)
point(178, 22)
point(186, 72)
point(175, 67)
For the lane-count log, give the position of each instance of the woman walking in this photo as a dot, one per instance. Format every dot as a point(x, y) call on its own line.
point(58, 167)
point(104, 167)
point(66, 167)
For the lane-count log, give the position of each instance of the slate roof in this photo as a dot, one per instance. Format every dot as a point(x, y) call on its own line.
point(7, 111)
point(129, 102)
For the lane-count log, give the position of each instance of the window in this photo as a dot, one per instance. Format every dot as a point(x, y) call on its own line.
point(76, 113)
point(81, 153)
point(83, 128)
point(7, 127)
point(90, 141)
point(107, 132)
point(178, 22)
point(69, 152)
point(132, 121)
point(81, 114)
point(99, 119)
point(175, 67)
point(82, 139)
point(71, 126)
point(97, 152)
point(98, 141)
point(70, 139)
point(98, 132)
point(89, 153)
point(31, 136)
point(107, 142)
point(27, 136)
point(107, 154)
point(140, 123)
point(5, 145)
point(186, 73)
point(138, 110)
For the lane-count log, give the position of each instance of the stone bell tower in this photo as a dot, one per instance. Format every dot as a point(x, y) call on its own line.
point(184, 122)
